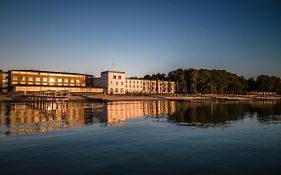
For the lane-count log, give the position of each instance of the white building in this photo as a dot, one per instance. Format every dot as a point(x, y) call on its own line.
point(115, 82)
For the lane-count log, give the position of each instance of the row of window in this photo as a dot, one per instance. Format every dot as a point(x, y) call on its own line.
point(116, 90)
point(51, 79)
point(115, 76)
point(44, 83)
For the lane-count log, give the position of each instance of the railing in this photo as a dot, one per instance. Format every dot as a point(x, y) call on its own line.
point(50, 95)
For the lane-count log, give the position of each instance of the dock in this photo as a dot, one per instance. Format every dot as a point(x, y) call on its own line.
point(53, 97)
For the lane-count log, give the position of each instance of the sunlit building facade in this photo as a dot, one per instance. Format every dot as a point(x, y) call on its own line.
point(115, 82)
point(4, 80)
point(33, 80)
point(44, 78)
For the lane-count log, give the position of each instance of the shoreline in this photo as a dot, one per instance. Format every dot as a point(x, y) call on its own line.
point(177, 97)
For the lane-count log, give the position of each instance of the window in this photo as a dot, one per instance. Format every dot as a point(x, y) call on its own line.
point(71, 81)
point(116, 90)
point(122, 90)
point(77, 81)
point(122, 83)
point(37, 79)
point(30, 78)
point(119, 77)
point(59, 80)
point(51, 80)
point(114, 76)
point(23, 78)
point(65, 80)
point(116, 83)
point(15, 78)
point(45, 79)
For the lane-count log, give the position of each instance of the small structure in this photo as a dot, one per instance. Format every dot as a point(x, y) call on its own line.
point(41, 98)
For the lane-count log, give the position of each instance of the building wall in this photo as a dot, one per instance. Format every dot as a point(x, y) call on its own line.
point(89, 80)
point(42, 78)
point(114, 82)
point(133, 85)
point(3, 81)
point(165, 87)
point(149, 86)
point(44, 88)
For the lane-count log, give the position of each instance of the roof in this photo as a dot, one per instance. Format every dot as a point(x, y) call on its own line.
point(113, 71)
point(39, 71)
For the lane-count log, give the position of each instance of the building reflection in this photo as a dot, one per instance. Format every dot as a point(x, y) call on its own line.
point(118, 112)
point(21, 118)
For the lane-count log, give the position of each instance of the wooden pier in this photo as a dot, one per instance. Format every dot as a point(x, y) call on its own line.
point(42, 98)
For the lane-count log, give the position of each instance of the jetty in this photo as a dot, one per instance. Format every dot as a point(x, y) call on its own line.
point(53, 97)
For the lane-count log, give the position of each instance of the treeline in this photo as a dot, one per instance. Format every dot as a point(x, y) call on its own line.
point(194, 81)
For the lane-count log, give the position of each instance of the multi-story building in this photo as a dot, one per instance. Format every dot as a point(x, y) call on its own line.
point(115, 82)
point(111, 82)
point(44, 78)
point(149, 86)
point(134, 85)
point(33, 80)
point(3, 81)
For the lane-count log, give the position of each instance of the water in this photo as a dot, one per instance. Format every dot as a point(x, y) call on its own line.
point(141, 138)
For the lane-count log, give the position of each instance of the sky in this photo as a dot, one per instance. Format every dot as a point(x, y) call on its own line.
point(141, 36)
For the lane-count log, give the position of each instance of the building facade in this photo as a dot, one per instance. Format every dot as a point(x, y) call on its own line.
point(4, 80)
point(110, 82)
point(44, 78)
point(33, 80)
point(115, 82)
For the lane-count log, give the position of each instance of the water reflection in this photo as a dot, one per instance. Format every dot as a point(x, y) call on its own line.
point(26, 118)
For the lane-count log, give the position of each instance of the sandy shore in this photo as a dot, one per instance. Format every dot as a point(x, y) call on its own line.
point(103, 97)
point(111, 98)
point(108, 98)
point(223, 97)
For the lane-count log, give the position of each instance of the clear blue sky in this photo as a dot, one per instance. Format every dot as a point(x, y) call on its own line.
point(141, 37)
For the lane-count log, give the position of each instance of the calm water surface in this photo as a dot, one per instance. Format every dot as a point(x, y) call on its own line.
point(141, 138)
